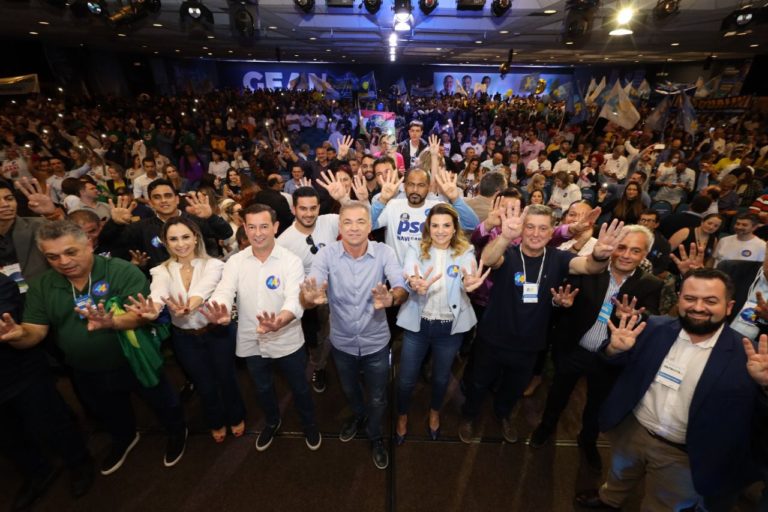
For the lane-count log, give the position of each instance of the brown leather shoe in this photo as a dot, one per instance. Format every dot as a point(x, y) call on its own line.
point(591, 499)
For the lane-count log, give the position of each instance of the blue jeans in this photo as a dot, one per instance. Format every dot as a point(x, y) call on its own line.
point(108, 395)
point(375, 370)
point(293, 366)
point(209, 360)
point(437, 335)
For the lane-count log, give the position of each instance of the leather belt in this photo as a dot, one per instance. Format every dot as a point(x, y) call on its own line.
point(197, 332)
point(679, 446)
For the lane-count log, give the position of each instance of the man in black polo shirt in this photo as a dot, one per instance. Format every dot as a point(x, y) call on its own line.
point(144, 236)
point(513, 329)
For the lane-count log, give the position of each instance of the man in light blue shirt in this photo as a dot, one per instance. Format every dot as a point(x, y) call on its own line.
point(349, 276)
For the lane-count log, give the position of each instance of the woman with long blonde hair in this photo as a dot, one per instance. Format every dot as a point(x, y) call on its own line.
point(442, 270)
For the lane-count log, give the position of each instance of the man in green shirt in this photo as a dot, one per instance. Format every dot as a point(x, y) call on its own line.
point(69, 300)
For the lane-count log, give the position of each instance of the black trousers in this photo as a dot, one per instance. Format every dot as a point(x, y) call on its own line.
point(570, 365)
point(35, 421)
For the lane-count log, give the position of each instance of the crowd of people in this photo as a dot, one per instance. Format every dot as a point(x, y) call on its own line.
point(279, 228)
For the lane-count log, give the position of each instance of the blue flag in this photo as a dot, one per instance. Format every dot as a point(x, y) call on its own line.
point(368, 86)
point(688, 115)
point(657, 120)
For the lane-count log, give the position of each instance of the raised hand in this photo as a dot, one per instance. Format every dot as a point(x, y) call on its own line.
point(564, 297)
point(198, 205)
point(145, 308)
point(334, 187)
point(625, 335)
point(627, 308)
point(139, 258)
point(512, 221)
point(305, 182)
point(122, 211)
point(691, 260)
point(757, 361)
point(344, 145)
point(420, 284)
point(390, 183)
point(446, 183)
point(585, 225)
point(38, 201)
point(216, 313)
point(9, 329)
point(268, 322)
point(473, 280)
point(98, 317)
point(608, 240)
point(359, 186)
point(382, 298)
point(179, 307)
point(434, 144)
point(494, 214)
point(312, 293)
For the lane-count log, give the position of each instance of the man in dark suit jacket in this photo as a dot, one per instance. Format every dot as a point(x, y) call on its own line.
point(412, 148)
point(680, 413)
point(581, 329)
point(17, 235)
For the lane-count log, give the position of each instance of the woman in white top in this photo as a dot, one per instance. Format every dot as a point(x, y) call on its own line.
point(206, 352)
point(563, 193)
point(442, 270)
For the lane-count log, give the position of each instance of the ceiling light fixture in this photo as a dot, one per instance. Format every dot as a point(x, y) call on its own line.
point(392, 39)
point(403, 16)
point(372, 6)
point(305, 5)
point(625, 15)
point(505, 66)
point(427, 6)
point(500, 7)
point(196, 19)
point(243, 22)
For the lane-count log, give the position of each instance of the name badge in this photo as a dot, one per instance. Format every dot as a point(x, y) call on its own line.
point(605, 312)
point(14, 272)
point(530, 293)
point(670, 375)
point(83, 302)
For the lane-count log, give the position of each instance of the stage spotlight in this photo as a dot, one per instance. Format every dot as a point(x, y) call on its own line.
point(577, 27)
point(505, 66)
point(133, 12)
point(305, 5)
point(666, 8)
point(196, 18)
point(96, 7)
point(372, 6)
point(427, 6)
point(500, 7)
point(744, 20)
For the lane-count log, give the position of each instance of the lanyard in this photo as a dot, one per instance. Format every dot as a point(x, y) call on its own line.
point(541, 268)
point(755, 282)
point(88, 295)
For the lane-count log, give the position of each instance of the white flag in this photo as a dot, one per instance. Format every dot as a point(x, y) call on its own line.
point(618, 108)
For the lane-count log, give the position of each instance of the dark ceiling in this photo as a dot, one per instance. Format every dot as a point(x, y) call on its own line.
point(447, 35)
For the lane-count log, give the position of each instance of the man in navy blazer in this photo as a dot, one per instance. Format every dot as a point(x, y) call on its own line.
point(680, 413)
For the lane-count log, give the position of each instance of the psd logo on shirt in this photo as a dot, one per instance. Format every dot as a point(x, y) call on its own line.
point(101, 288)
point(749, 315)
point(746, 253)
point(452, 270)
point(273, 282)
point(519, 279)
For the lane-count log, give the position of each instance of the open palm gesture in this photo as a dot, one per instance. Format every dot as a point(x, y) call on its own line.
point(312, 293)
point(625, 335)
point(198, 205)
point(334, 187)
point(390, 183)
point(421, 283)
point(38, 201)
point(608, 239)
point(691, 260)
point(216, 313)
point(757, 361)
point(511, 221)
point(473, 280)
point(564, 297)
point(143, 307)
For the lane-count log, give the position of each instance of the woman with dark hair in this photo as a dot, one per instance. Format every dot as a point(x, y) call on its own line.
point(206, 351)
point(190, 165)
point(630, 206)
point(704, 235)
point(232, 187)
point(181, 185)
point(470, 176)
point(442, 270)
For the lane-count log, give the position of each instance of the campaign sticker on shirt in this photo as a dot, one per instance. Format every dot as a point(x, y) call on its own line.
point(749, 315)
point(404, 217)
point(746, 253)
point(452, 270)
point(273, 282)
point(519, 279)
point(156, 242)
point(100, 288)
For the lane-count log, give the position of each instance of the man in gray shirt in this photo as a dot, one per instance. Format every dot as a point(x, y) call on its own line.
point(349, 276)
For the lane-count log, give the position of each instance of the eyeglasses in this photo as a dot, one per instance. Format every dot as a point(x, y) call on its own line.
point(313, 248)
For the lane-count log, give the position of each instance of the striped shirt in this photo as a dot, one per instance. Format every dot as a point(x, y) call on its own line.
point(593, 339)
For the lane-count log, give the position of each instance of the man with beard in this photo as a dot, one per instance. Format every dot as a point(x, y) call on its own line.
point(308, 234)
point(680, 413)
point(369, 173)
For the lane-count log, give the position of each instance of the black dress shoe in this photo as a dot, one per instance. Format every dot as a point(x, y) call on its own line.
point(81, 478)
point(591, 499)
point(33, 488)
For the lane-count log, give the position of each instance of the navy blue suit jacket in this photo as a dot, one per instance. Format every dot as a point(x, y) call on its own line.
point(720, 415)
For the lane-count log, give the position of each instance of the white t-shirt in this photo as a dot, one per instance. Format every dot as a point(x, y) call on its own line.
point(326, 232)
point(141, 184)
point(403, 223)
point(731, 248)
point(563, 164)
point(219, 169)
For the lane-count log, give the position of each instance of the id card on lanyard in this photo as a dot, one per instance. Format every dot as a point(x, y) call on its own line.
point(531, 290)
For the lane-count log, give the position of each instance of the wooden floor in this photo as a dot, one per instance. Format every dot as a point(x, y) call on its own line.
point(424, 475)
